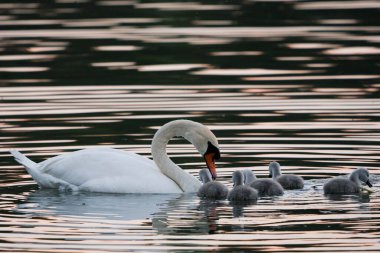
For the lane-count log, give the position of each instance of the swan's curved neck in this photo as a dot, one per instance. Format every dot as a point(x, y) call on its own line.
point(183, 179)
point(354, 177)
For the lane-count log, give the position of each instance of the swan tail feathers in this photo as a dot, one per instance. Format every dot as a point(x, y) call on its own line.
point(30, 166)
point(22, 159)
point(43, 179)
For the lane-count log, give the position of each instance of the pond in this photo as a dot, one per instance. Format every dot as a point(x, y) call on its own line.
point(290, 81)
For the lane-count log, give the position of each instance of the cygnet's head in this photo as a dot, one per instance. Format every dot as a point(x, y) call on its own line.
point(362, 174)
point(238, 178)
point(249, 177)
point(274, 170)
point(205, 176)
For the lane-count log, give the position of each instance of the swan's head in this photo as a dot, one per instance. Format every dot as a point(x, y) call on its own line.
point(199, 135)
point(363, 175)
point(205, 142)
point(274, 170)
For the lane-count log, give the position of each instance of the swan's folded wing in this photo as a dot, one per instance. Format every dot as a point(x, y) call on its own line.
point(89, 164)
point(127, 184)
point(108, 170)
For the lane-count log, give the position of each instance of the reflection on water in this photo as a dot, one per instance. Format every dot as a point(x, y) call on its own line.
point(120, 222)
point(292, 81)
point(95, 205)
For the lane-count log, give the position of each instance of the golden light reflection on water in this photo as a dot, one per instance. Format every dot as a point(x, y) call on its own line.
point(118, 48)
point(23, 69)
point(113, 65)
point(319, 77)
point(45, 49)
point(27, 57)
point(311, 45)
point(319, 5)
point(353, 51)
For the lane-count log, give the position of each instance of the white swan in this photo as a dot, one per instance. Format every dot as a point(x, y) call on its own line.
point(116, 171)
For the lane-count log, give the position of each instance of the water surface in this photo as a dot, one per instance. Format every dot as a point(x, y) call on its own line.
point(292, 81)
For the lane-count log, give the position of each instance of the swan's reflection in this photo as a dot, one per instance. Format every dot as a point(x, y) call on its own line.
point(169, 213)
point(87, 204)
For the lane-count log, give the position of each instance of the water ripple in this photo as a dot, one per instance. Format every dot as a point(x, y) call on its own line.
point(291, 81)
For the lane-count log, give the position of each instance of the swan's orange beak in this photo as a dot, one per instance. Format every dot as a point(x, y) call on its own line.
point(210, 161)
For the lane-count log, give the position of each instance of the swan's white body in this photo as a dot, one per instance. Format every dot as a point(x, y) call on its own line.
point(116, 171)
point(103, 170)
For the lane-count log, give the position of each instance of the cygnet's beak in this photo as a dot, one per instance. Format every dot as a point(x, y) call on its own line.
point(368, 183)
point(210, 161)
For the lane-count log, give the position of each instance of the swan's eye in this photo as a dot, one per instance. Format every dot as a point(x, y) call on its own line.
point(212, 149)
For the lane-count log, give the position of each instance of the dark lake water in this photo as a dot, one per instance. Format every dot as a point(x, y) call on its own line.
point(292, 81)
